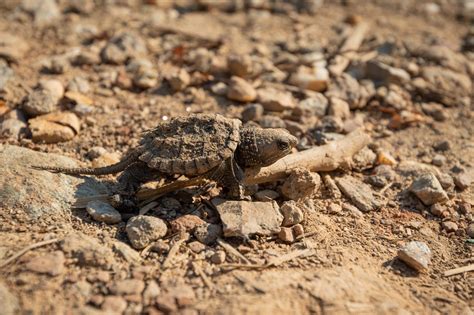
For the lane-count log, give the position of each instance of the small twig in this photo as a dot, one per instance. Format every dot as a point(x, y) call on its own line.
point(384, 189)
point(143, 210)
point(26, 249)
point(204, 277)
point(308, 234)
point(173, 251)
point(251, 283)
point(232, 251)
point(459, 270)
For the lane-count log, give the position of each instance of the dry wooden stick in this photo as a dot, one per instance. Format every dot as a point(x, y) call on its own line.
point(198, 270)
point(352, 44)
point(173, 252)
point(459, 270)
point(324, 158)
point(27, 249)
point(232, 251)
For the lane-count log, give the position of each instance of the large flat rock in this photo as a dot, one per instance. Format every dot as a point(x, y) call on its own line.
point(35, 195)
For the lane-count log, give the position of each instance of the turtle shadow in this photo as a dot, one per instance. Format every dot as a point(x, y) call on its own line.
point(396, 266)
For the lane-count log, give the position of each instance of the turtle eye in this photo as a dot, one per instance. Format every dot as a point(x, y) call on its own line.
point(283, 145)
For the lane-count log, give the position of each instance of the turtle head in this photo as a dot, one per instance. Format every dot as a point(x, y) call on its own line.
point(262, 147)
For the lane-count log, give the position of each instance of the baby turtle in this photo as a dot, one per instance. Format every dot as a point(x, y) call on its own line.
point(210, 145)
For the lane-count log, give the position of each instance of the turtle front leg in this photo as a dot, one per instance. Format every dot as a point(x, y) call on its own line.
point(229, 175)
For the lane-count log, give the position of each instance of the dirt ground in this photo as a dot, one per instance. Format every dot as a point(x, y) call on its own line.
point(118, 86)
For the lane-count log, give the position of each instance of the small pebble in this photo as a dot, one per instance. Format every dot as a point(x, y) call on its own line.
point(462, 180)
point(438, 160)
point(298, 230)
point(39, 102)
point(103, 212)
point(218, 257)
point(416, 255)
point(428, 189)
point(180, 80)
point(208, 233)
point(196, 247)
point(241, 91)
point(470, 230)
point(143, 230)
point(266, 195)
point(252, 112)
point(114, 304)
point(449, 226)
point(286, 235)
point(292, 213)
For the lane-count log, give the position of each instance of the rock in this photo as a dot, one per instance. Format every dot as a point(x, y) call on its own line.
point(127, 286)
point(463, 180)
point(44, 12)
point(385, 158)
point(208, 233)
point(55, 88)
point(444, 145)
point(8, 301)
point(292, 213)
point(220, 88)
point(126, 252)
point(40, 196)
point(78, 98)
point(144, 76)
point(286, 235)
point(364, 159)
point(161, 247)
point(12, 47)
point(79, 85)
point(143, 230)
point(359, 193)
point(244, 218)
point(87, 250)
point(114, 304)
point(122, 47)
point(298, 230)
point(353, 211)
point(180, 80)
point(186, 223)
point(178, 296)
point(416, 255)
point(339, 108)
point(103, 212)
point(241, 91)
point(152, 291)
point(196, 247)
point(435, 110)
point(346, 88)
point(51, 264)
point(13, 124)
point(438, 210)
point(469, 231)
point(96, 152)
point(386, 74)
point(449, 226)
point(80, 7)
point(218, 257)
point(428, 189)
point(383, 175)
point(252, 112)
point(266, 195)
point(465, 208)
point(270, 121)
point(56, 65)
point(6, 73)
point(240, 65)
point(316, 105)
point(275, 100)
point(413, 168)
point(39, 102)
point(300, 184)
point(107, 158)
point(54, 127)
point(316, 79)
point(438, 160)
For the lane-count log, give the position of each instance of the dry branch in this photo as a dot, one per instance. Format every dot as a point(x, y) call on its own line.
point(348, 49)
point(27, 249)
point(325, 158)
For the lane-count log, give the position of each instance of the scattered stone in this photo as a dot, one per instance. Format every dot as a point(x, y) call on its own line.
point(244, 218)
point(352, 210)
point(300, 184)
point(286, 235)
point(465, 208)
point(9, 302)
point(298, 230)
point(241, 91)
point(438, 210)
point(470, 230)
point(416, 255)
point(435, 110)
point(152, 291)
point(39, 102)
point(462, 180)
point(78, 98)
point(103, 212)
point(240, 65)
point(51, 264)
point(383, 175)
point(359, 193)
point(271, 121)
point(114, 304)
point(444, 145)
point(12, 47)
point(364, 159)
point(218, 257)
point(334, 208)
point(252, 112)
point(54, 127)
point(292, 213)
point(428, 189)
point(144, 75)
point(186, 223)
point(266, 195)
point(87, 250)
point(275, 100)
point(179, 80)
point(438, 160)
point(6, 73)
point(386, 74)
point(316, 79)
point(449, 226)
point(56, 65)
point(208, 233)
point(122, 47)
point(55, 88)
point(44, 12)
point(220, 88)
point(316, 105)
point(143, 230)
point(13, 124)
point(339, 108)
point(127, 286)
point(413, 168)
point(108, 158)
point(79, 85)
point(346, 88)
point(196, 247)
point(179, 296)
point(160, 247)
point(126, 252)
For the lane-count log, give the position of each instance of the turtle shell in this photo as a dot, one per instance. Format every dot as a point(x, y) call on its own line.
point(190, 145)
